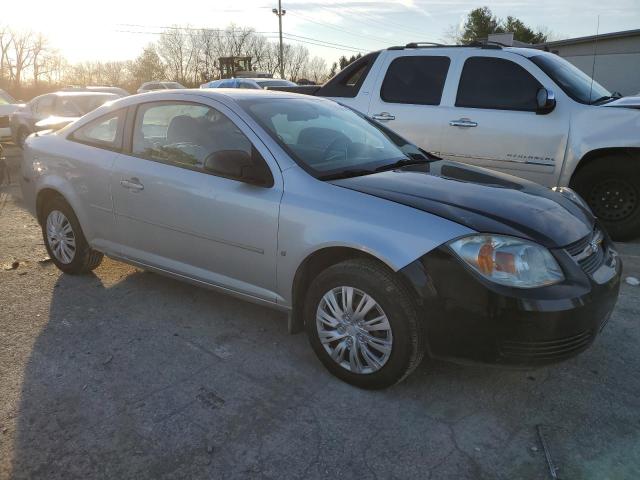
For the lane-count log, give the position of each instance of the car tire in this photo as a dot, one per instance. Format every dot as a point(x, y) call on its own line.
point(21, 137)
point(373, 368)
point(64, 240)
point(611, 187)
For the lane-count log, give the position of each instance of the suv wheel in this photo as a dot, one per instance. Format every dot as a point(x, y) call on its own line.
point(611, 187)
point(363, 324)
point(65, 241)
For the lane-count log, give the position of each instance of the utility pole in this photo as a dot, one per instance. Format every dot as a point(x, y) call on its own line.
point(280, 12)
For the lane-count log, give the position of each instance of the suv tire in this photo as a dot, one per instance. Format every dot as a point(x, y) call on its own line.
point(611, 187)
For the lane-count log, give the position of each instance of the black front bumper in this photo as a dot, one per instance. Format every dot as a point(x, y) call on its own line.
point(469, 318)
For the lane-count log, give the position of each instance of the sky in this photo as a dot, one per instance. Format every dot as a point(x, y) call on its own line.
point(119, 29)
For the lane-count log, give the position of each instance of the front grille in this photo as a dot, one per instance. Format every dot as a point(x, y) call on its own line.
point(545, 350)
point(4, 122)
point(588, 252)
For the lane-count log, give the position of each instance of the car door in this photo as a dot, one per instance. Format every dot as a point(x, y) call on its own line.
point(90, 154)
point(174, 214)
point(492, 120)
point(409, 96)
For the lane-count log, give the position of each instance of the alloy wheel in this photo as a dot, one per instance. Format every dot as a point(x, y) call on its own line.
point(60, 236)
point(354, 330)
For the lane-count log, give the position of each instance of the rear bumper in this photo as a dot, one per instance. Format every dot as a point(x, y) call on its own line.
point(470, 319)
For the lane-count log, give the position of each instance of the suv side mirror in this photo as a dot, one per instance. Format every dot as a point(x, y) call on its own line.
point(546, 101)
point(240, 165)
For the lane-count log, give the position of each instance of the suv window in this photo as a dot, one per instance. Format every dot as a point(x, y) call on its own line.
point(186, 135)
point(417, 80)
point(496, 83)
point(103, 132)
point(347, 83)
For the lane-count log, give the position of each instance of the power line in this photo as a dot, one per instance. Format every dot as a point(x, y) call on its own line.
point(323, 45)
point(376, 39)
point(273, 35)
point(386, 23)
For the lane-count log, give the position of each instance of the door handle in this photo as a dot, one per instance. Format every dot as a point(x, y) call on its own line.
point(463, 122)
point(383, 116)
point(132, 184)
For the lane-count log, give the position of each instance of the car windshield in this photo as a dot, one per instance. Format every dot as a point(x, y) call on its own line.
point(573, 81)
point(173, 85)
point(80, 105)
point(5, 98)
point(275, 83)
point(329, 140)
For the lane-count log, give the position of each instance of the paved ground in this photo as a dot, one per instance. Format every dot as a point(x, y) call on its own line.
point(125, 374)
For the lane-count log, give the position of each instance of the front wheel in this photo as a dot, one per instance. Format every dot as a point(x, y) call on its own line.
point(363, 324)
point(65, 241)
point(611, 187)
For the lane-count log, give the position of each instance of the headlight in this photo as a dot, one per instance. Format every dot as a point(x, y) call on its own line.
point(509, 261)
point(573, 196)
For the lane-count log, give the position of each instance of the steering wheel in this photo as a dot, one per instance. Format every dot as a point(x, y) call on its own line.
point(332, 147)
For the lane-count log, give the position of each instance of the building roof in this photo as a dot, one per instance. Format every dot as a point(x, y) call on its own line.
point(591, 38)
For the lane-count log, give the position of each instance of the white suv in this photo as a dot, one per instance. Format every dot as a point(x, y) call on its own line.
point(518, 110)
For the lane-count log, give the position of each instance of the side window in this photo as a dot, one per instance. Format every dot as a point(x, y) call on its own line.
point(44, 105)
point(347, 82)
point(416, 80)
point(496, 83)
point(66, 107)
point(196, 137)
point(103, 132)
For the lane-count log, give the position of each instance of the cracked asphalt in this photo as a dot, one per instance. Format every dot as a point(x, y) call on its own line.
point(126, 374)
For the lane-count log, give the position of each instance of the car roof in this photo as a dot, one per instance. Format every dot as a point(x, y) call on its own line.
point(83, 94)
point(524, 51)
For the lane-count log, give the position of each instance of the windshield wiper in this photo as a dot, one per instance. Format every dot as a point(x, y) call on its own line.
point(604, 98)
point(403, 163)
point(346, 174)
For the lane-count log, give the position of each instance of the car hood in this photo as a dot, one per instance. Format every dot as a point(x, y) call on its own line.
point(482, 200)
point(9, 108)
point(627, 102)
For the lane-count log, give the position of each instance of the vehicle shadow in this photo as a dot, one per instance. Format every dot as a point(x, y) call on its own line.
point(139, 376)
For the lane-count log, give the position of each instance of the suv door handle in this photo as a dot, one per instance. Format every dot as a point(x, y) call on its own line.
point(132, 184)
point(383, 116)
point(463, 122)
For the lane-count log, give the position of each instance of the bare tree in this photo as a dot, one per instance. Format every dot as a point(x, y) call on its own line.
point(5, 44)
point(148, 66)
point(295, 60)
point(21, 55)
point(315, 70)
point(176, 50)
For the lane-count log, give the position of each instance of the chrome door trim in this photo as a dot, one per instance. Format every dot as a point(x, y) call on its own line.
point(512, 159)
point(463, 122)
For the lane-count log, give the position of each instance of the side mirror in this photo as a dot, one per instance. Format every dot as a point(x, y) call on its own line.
point(546, 101)
point(240, 165)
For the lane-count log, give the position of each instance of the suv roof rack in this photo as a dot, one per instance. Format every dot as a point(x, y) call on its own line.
point(486, 44)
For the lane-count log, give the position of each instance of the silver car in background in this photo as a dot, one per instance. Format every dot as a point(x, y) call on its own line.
point(381, 251)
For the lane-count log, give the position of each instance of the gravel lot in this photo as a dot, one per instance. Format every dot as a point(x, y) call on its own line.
point(126, 374)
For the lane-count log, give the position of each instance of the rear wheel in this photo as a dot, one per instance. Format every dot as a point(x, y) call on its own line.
point(611, 187)
point(363, 324)
point(65, 241)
